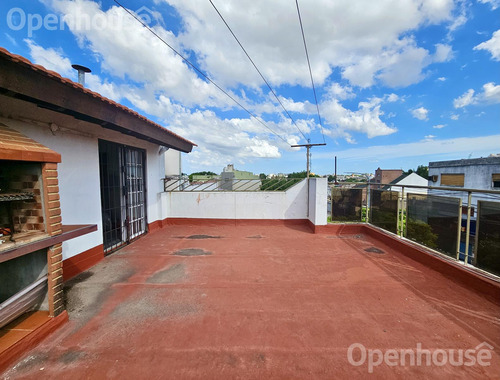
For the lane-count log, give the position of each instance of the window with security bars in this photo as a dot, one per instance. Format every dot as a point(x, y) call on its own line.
point(452, 179)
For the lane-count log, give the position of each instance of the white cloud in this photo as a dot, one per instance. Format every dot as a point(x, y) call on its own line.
point(335, 90)
point(464, 100)
point(454, 116)
point(439, 126)
point(367, 46)
point(454, 146)
point(11, 39)
point(420, 113)
point(443, 53)
point(493, 3)
point(391, 98)
point(441, 79)
point(492, 45)
point(51, 59)
point(429, 137)
point(133, 53)
point(489, 95)
point(364, 120)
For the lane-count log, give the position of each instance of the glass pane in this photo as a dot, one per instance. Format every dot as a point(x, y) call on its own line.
point(384, 209)
point(488, 237)
point(433, 221)
point(346, 204)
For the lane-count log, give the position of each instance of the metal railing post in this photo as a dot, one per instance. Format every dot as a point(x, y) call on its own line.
point(476, 240)
point(402, 211)
point(368, 199)
point(467, 236)
point(459, 229)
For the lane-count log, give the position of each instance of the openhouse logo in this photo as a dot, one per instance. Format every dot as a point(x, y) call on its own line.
point(358, 355)
point(18, 19)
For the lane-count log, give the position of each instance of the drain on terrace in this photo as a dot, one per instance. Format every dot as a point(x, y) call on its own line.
point(192, 252)
point(374, 250)
point(199, 237)
point(255, 237)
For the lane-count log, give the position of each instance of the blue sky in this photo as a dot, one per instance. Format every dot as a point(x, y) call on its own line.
point(399, 82)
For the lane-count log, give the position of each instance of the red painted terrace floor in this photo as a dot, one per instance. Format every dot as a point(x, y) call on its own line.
point(255, 302)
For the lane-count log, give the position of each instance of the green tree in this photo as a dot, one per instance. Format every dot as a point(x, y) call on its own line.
point(423, 171)
point(262, 176)
point(200, 173)
point(302, 174)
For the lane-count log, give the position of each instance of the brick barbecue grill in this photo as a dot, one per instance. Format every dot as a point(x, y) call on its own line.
point(30, 214)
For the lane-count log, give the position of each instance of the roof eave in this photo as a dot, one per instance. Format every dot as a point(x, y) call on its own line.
point(22, 80)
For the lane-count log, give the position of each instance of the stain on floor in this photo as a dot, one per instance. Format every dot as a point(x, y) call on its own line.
point(374, 250)
point(173, 274)
point(192, 252)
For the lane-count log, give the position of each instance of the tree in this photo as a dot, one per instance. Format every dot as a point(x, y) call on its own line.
point(331, 178)
point(423, 171)
point(302, 174)
point(262, 176)
point(200, 173)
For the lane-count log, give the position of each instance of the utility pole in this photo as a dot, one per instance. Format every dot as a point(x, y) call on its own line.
point(308, 146)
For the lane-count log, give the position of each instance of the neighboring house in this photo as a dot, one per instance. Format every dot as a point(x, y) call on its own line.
point(112, 158)
point(205, 177)
point(384, 176)
point(408, 180)
point(477, 173)
point(232, 179)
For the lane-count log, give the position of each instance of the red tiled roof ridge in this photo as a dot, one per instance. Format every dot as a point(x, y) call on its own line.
point(55, 75)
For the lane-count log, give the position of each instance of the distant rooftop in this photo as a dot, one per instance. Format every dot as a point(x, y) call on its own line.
point(491, 160)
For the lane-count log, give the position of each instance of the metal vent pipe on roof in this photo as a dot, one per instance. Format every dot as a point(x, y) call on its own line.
point(81, 73)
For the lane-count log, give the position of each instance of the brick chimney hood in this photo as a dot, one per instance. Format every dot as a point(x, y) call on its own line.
point(15, 146)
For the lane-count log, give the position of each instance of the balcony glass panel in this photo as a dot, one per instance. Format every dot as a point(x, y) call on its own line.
point(433, 221)
point(488, 237)
point(384, 209)
point(346, 204)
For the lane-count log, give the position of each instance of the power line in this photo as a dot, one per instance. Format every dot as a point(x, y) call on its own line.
point(310, 71)
point(256, 68)
point(200, 72)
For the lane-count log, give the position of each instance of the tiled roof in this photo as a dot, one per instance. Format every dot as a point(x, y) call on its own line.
point(77, 86)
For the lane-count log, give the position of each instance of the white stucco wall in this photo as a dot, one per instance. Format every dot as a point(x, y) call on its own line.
point(79, 182)
point(291, 204)
point(318, 188)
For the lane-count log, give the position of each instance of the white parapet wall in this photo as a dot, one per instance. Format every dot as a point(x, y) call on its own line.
point(290, 204)
point(318, 195)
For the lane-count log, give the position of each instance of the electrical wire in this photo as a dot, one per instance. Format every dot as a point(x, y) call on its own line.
point(310, 71)
point(256, 68)
point(200, 72)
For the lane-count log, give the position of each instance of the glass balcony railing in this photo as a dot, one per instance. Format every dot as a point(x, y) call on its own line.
point(346, 204)
point(433, 221)
point(488, 237)
point(384, 209)
point(463, 224)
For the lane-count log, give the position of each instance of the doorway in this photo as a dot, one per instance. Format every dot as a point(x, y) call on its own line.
point(123, 194)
